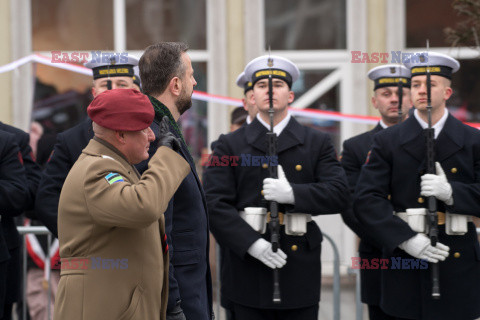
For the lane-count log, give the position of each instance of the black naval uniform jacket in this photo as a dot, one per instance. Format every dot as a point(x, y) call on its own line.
point(14, 195)
point(354, 154)
point(12, 237)
point(390, 181)
point(319, 186)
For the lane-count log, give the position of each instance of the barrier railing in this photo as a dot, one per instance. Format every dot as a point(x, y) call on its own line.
point(38, 231)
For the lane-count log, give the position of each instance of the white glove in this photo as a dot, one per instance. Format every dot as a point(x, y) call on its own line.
point(278, 189)
point(419, 247)
point(262, 250)
point(436, 185)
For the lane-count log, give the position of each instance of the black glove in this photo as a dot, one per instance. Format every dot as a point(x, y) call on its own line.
point(176, 313)
point(166, 138)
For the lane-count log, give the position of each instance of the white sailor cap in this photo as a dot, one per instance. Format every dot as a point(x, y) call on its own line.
point(108, 64)
point(281, 68)
point(243, 82)
point(389, 75)
point(438, 64)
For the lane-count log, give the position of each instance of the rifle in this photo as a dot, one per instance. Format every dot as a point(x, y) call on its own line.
point(432, 201)
point(109, 82)
point(400, 94)
point(274, 224)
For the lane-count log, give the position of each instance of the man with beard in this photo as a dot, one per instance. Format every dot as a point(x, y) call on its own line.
point(386, 100)
point(167, 78)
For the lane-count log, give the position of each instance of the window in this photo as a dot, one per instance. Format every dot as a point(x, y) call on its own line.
point(305, 24)
point(72, 25)
point(151, 21)
point(427, 19)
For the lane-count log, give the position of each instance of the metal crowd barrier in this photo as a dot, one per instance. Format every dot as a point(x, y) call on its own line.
point(37, 231)
point(336, 277)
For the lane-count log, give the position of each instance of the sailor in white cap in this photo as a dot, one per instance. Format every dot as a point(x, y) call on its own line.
point(311, 182)
point(246, 84)
point(114, 73)
point(387, 100)
point(393, 179)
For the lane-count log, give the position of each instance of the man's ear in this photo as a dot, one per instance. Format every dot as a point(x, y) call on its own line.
point(374, 102)
point(448, 93)
point(291, 97)
point(175, 86)
point(245, 106)
point(252, 100)
point(120, 136)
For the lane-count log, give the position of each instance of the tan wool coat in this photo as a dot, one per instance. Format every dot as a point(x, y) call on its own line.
point(111, 230)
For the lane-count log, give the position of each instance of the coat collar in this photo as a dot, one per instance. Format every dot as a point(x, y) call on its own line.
point(97, 148)
point(377, 128)
point(412, 138)
point(450, 140)
point(292, 135)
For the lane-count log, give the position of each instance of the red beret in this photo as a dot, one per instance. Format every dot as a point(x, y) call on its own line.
point(122, 110)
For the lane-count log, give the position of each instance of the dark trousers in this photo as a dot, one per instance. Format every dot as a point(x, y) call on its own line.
point(247, 313)
point(376, 313)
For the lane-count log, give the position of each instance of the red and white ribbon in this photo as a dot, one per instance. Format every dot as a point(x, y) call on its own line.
point(35, 252)
point(204, 96)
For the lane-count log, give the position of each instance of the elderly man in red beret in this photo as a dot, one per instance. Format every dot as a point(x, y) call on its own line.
point(114, 256)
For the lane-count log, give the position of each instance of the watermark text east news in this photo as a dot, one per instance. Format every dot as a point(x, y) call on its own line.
point(91, 263)
point(392, 263)
point(92, 56)
point(385, 57)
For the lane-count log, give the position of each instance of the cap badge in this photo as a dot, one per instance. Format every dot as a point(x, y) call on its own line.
point(270, 62)
point(392, 70)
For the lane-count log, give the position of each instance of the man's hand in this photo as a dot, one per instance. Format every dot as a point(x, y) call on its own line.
point(262, 250)
point(278, 189)
point(166, 138)
point(436, 185)
point(419, 247)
